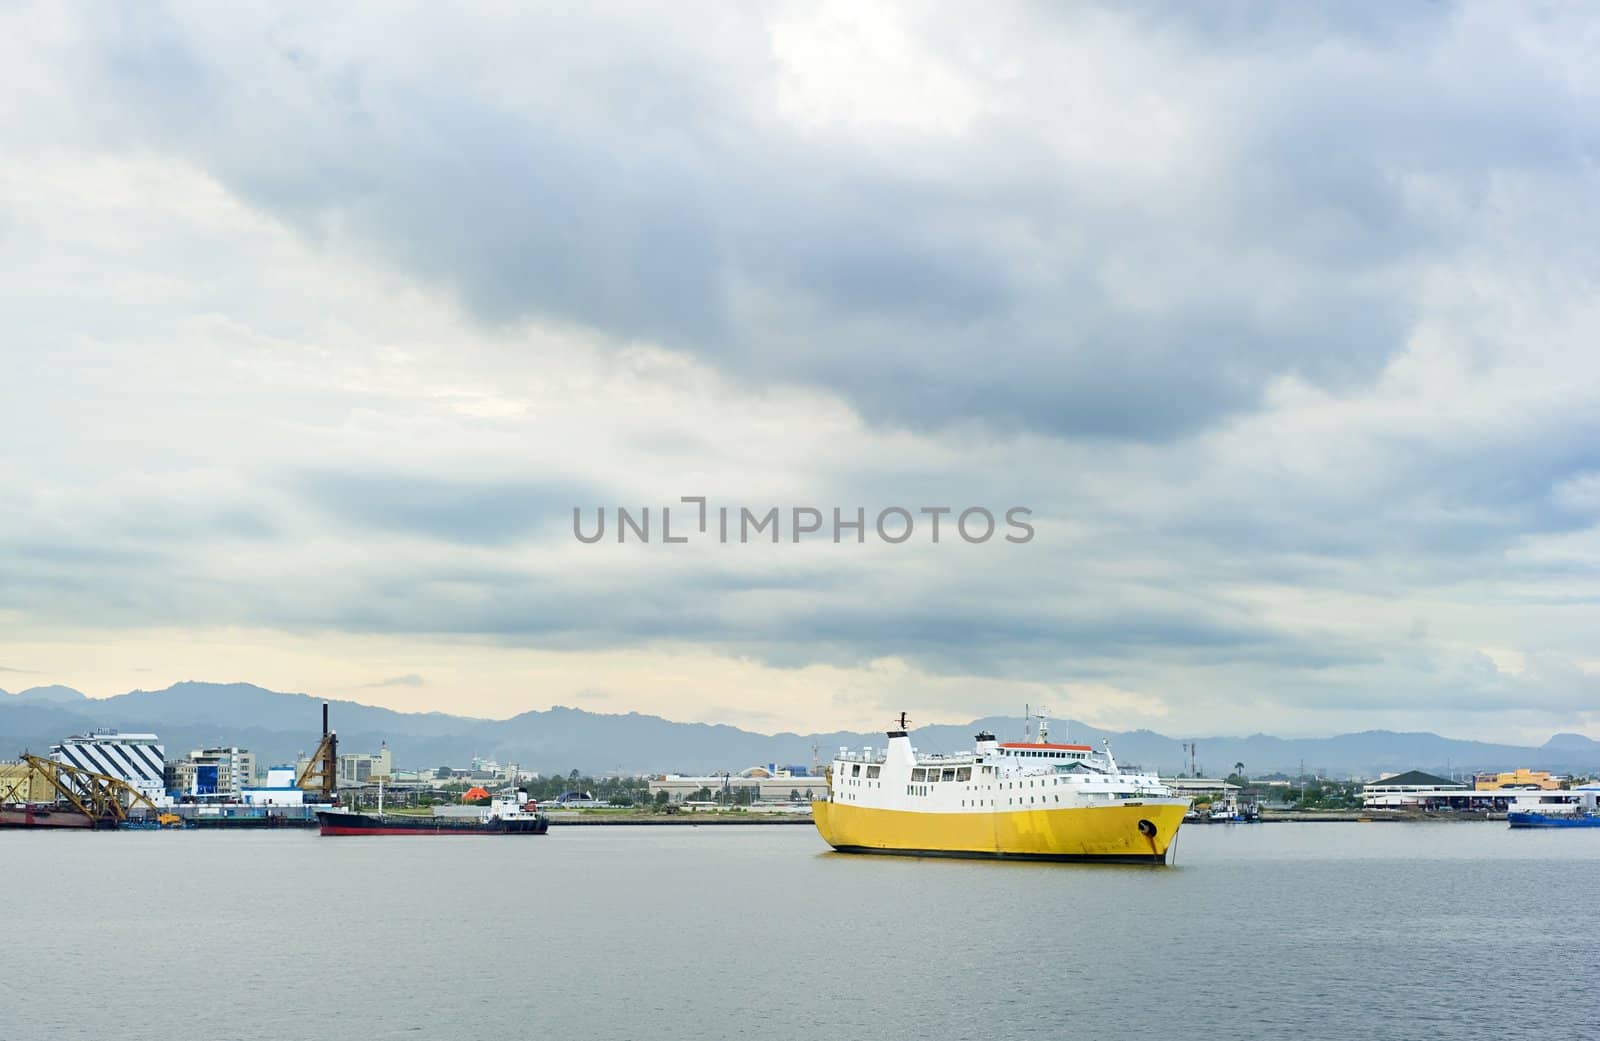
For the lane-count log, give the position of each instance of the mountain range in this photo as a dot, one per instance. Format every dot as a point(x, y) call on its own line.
point(278, 727)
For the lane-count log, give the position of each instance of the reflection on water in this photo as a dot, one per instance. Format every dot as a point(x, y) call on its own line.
point(1259, 931)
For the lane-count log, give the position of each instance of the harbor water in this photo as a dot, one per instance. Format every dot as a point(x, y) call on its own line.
point(1328, 931)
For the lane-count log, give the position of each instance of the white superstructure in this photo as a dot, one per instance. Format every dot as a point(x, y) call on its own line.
point(994, 777)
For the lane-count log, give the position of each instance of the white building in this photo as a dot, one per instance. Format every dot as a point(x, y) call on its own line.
point(213, 771)
point(137, 759)
point(283, 796)
point(1419, 791)
point(358, 768)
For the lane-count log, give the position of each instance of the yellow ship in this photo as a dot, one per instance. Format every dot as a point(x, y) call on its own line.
point(1030, 800)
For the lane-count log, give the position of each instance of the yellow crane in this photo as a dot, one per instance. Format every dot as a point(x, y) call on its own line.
point(99, 797)
point(321, 774)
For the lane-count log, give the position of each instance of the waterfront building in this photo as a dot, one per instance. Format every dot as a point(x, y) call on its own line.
point(137, 759)
point(285, 795)
point(1409, 789)
point(280, 788)
point(1449, 796)
point(1521, 777)
point(211, 771)
point(777, 788)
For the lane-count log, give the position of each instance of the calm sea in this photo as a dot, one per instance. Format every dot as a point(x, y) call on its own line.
point(1261, 931)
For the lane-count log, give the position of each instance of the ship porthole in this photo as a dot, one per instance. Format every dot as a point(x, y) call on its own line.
point(1147, 829)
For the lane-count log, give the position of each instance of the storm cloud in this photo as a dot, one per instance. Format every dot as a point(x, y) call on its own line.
point(1279, 318)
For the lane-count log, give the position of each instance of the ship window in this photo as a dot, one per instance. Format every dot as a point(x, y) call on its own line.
point(855, 770)
point(948, 775)
point(918, 775)
point(964, 774)
point(872, 771)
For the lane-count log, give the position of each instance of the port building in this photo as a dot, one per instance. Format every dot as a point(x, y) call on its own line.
point(137, 759)
point(1416, 790)
point(758, 783)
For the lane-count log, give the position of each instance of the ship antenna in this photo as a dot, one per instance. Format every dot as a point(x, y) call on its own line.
point(904, 725)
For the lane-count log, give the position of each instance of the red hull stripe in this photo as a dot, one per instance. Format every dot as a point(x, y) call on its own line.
point(334, 829)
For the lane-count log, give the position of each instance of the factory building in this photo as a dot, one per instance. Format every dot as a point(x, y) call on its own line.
point(137, 759)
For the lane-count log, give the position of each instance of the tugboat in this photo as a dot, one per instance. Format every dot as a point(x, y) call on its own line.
point(1023, 800)
point(514, 815)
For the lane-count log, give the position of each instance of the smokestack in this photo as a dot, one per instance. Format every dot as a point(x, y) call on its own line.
point(324, 719)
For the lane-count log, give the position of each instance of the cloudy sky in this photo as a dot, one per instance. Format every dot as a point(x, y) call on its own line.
point(319, 321)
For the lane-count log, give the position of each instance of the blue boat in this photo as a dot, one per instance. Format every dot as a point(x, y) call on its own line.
point(1550, 820)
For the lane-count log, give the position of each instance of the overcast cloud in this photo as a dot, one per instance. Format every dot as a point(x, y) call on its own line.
point(319, 322)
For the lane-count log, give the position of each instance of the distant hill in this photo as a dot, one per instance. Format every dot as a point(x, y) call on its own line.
point(46, 695)
point(279, 727)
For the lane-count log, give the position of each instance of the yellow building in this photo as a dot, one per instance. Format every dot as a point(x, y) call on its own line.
point(18, 783)
point(1521, 777)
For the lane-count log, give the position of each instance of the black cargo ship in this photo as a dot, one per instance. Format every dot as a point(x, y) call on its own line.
point(340, 822)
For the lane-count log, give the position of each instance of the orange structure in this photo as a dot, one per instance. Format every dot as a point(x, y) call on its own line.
point(1521, 777)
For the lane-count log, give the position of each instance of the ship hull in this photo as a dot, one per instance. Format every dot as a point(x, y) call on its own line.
point(1106, 834)
point(1540, 820)
point(351, 824)
point(35, 817)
